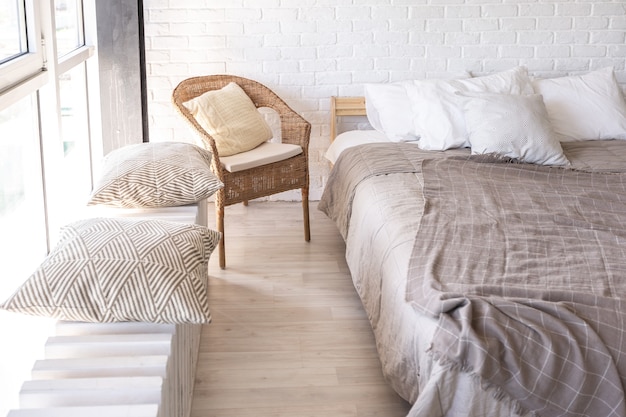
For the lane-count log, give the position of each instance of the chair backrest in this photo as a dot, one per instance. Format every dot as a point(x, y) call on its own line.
point(260, 95)
point(294, 128)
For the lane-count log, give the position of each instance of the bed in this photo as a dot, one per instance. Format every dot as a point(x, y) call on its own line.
point(477, 329)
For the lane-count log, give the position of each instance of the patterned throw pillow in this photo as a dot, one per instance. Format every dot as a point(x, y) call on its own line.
point(159, 174)
point(119, 269)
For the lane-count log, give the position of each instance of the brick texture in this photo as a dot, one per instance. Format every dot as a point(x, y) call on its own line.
point(309, 50)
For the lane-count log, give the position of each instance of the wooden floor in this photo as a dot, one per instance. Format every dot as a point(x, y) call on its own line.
point(289, 337)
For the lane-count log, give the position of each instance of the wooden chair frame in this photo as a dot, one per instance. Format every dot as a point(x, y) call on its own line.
point(262, 181)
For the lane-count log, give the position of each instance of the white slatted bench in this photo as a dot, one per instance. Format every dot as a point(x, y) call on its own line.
point(117, 369)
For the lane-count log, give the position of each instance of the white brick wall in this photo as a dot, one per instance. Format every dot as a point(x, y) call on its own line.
point(308, 50)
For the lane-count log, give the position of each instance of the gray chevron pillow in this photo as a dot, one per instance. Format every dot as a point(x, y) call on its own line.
point(159, 174)
point(110, 270)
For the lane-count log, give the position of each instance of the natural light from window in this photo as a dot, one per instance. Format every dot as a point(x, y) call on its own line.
point(69, 189)
point(22, 214)
point(69, 26)
point(45, 160)
point(23, 241)
point(12, 29)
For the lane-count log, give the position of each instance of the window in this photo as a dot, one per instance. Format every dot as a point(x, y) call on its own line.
point(69, 26)
point(12, 30)
point(22, 215)
point(45, 157)
point(22, 241)
point(21, 53)
point(69, 188)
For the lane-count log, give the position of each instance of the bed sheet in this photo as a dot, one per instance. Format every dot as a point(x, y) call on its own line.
point(383, 225)
point(352, 138)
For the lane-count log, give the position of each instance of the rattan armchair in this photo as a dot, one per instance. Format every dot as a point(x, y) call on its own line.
point(261, 181)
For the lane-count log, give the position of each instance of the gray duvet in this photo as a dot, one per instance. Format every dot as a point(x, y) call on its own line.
point(382, 184)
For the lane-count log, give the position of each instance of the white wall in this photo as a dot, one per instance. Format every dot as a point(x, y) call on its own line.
point(309, 50)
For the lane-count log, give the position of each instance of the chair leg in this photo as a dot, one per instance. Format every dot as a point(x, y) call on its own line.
point(219, 218)
point(305, 214)
point(245, 203)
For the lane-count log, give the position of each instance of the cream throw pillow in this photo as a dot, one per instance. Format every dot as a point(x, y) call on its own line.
point(231, 118)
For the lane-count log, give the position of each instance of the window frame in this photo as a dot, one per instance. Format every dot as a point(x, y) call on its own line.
point(36, 73)
point(32, 63)
point(80, 23)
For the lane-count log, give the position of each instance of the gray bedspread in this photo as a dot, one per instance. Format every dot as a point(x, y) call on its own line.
point(595, 300)
point(524, 266)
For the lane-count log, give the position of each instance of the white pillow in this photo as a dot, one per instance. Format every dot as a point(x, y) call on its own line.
point(585, 107)
point(510, 125)
point(437, 118)
point(388, 110)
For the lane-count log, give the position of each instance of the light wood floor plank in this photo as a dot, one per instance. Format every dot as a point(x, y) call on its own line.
point(289, 336)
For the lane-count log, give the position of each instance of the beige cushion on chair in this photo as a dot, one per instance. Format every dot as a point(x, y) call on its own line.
point(266, 153)
point(231, 118)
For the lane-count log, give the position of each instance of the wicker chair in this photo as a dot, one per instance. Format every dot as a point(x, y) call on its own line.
point(261, 181)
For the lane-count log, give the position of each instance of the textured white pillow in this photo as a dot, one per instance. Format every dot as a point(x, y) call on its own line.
point(231, 118)
point(388, 110)
point(585, 107)
point(510, 125)
point(438, 120)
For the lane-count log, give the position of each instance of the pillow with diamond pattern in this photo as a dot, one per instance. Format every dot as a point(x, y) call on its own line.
point(121, 269)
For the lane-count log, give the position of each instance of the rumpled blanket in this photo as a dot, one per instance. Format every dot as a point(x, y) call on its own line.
point(525, 268)
point(358, 163)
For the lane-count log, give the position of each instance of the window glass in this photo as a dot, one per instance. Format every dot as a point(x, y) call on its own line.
point(69, 191)
point(21, 52)
point(12, 29)
point(35, 203)
point(22, 242)
point(69, 26)
point(22, 220)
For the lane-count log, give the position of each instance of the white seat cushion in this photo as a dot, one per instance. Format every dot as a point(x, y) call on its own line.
point(265, 153)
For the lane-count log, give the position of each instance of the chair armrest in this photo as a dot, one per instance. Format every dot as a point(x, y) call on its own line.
point(295, 130)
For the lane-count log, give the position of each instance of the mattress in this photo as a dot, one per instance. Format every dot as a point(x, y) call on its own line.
point(352, 138)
